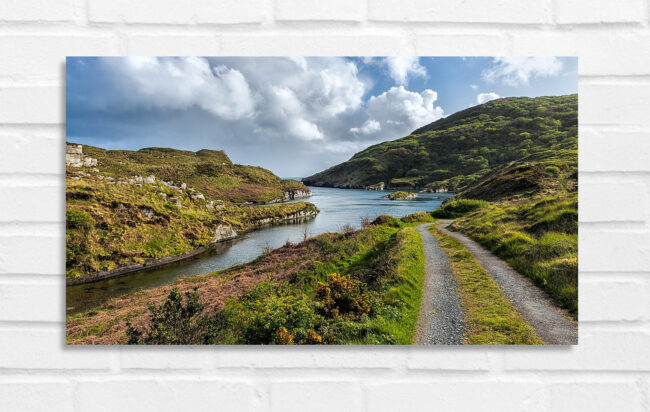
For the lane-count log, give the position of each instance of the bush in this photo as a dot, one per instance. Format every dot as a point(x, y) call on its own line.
point(387, 220)
point(458, 208)
point(551, 170)
point(76, 219)
point(417, 217)
point(175, 322)
point(276, 317)
point(341, 296)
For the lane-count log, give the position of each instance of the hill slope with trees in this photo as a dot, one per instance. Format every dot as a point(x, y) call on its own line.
point(454, 152)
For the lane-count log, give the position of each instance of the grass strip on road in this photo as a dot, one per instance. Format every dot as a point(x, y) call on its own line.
point(491, 317)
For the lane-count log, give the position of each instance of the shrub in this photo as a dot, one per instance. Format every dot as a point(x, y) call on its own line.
point(417, 217)
point(552, 170)
point(458, 208)
point(387, 220)
point(277, 319)
point(175, 322)
point(76, 219)
point(341, 296)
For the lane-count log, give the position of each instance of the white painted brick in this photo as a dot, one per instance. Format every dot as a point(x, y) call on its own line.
point(29, 151)
point(174, 12)
point(37, 10)
point(599, 11)
point(173, 45)
point(613, 251)
point(610, 201)
point(595, 396)
point(32, 204)
point(448, 358)
point(339, 10)
point(614, 151)
point(166, 358)
point(472, 11)
point(607, 371)
point(32, 302)
point(319, 45)
point(614, 103)
point(460, 44)
point(32, 255)
point(600, 52)
point(612, 301)
point(45, 349)
point(451, 395)
point(599, 350)
point(36, 396)
point(285, 357)
point(159, 395)
point(315, 396)
point(42, 58)
point(33, 104)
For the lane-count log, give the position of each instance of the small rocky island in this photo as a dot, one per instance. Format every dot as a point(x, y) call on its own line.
point(400, 196)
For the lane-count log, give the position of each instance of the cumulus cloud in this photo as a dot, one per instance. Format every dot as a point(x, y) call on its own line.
point(398, 111)
point(516, 70)
point(275, 112)
point(369, 127)
point(179, 83)
point(474, 86)
point(401, 67)
point(486, 97)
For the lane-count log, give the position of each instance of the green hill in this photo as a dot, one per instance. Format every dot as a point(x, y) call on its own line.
point(454, 152)
point(130, 209)
point(210, 172)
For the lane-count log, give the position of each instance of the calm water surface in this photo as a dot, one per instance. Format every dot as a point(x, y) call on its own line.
point(338, 208)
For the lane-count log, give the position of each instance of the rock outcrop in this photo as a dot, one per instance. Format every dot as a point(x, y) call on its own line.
point(224, 232)
point(74, 157)
point(296, 194)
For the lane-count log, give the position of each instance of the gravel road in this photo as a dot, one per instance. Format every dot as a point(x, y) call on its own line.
point(552, 324)
point(441, 320)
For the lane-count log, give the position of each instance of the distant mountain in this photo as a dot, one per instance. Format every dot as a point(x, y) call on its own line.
point(458, 151)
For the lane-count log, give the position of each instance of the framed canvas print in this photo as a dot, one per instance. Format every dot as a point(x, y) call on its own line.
point(322, 200)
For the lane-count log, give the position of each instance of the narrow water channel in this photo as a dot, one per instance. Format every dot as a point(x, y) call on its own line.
point(338, 208)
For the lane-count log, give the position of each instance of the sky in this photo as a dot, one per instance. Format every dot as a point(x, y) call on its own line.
point(293, 115)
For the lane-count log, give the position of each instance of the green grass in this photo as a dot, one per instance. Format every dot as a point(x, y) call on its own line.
point(108, 225)
point(379, 270)
point(387, 264)
point(491, 317)
point(538, 237)
point(457, 208)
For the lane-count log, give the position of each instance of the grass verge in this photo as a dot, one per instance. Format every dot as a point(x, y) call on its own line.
point(491, 317)
point(355, 287)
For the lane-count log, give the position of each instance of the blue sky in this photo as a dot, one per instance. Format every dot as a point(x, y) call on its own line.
point(295, 115)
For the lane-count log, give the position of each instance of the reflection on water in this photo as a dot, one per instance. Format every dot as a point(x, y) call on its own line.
point(338, 208)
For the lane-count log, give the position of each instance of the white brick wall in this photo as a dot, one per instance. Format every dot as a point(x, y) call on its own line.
point(610, 368)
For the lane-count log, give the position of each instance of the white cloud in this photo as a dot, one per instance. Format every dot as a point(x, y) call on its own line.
point(401, 67)
point(181, 83)
point(369, 127)
point(398, 111)
point(251, 107)
point(515, 70)
point(486, 97)
point(474, 86)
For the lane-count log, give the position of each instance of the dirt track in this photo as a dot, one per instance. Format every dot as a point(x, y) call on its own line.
point(551, 323)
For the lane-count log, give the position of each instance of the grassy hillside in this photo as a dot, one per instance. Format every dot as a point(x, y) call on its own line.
point(454, 152)
point(139, 206)
point(209, 172)
point(356, 287)
point(526, 212)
